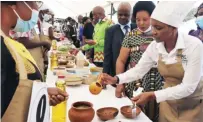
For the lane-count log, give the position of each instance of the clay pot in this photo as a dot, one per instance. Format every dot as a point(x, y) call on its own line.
point(107, 113)
point(81, 111)
point(126, 111)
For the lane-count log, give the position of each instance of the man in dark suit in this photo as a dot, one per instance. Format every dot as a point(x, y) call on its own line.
point(114, 37)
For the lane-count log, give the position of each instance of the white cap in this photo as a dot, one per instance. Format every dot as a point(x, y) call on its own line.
point(172, 12)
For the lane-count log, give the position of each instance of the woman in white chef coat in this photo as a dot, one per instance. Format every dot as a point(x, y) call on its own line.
point(179, 58)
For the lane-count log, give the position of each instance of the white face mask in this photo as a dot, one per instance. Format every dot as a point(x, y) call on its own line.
point(46, 17)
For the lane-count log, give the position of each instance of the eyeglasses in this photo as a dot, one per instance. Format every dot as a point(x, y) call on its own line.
point(39, 4)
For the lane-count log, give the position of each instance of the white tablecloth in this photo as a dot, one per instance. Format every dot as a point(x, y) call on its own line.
point(105, 99)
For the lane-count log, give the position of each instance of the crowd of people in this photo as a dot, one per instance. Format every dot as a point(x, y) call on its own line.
point(147, 52)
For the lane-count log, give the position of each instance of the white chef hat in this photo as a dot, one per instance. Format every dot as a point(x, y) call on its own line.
point(172, 12)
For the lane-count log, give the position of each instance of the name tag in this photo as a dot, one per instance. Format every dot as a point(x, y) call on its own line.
point(184, 59)
point(39, 110)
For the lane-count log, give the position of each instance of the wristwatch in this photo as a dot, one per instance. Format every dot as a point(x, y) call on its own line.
point(118, 80)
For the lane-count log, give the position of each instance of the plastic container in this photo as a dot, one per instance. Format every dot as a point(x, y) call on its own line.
point(80, 60)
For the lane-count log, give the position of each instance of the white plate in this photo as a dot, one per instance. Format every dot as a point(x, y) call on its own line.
point(74, 83)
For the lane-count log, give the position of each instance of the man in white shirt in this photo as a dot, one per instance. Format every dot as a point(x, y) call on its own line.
point(179, 58)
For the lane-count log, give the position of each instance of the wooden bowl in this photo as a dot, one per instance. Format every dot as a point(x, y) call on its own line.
point(126, 111)
point(107, 113)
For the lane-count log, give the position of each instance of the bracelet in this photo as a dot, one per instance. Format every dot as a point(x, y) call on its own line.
point(118, 80)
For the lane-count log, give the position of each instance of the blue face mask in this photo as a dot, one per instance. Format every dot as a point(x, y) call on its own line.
point(199, 22)
point(25, 26)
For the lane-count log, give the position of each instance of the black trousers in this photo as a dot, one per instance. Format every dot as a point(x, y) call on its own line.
point(99, 64)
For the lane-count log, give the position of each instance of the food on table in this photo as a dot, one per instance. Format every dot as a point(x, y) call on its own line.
point(86, 63)
point(64, 48)
point(70, 64)
point(74, 51)
point(62, 61)
point(67, 61)
point(82, 107)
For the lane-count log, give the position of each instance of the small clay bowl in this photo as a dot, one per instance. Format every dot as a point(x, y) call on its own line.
point(62, 62)
point(126, 111)
point(107, 113)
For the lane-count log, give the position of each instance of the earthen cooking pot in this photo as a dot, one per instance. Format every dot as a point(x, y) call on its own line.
point(81, 111)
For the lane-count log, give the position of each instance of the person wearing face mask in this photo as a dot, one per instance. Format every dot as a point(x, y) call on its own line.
point(133, 46)
point(46, 30)
point(18, 69)
point(179, 59)
point(31, 40)
point(99, 34)
point(199, 21)
point(114, 37)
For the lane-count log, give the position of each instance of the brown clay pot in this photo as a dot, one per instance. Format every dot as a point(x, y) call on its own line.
point(107, 113)
point(81, 111)
point(126, 111)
